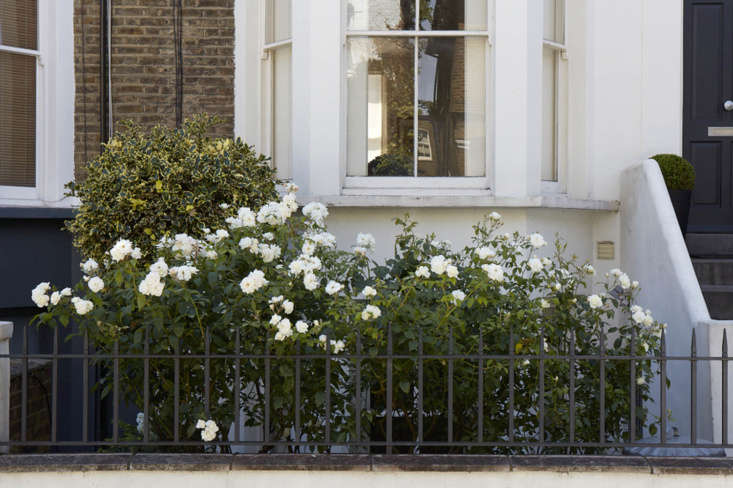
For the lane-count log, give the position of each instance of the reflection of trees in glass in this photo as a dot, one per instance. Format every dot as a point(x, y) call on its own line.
point(391, 165)
point(441, 14)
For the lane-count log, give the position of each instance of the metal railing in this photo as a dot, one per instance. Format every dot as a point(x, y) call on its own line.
point(358, 415)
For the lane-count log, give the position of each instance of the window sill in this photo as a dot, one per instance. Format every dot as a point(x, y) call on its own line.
point(37, 209)
point(464, 199)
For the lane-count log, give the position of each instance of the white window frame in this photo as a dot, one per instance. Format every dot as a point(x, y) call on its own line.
point(420, 182)
point(54, 109)
point(267, 50)
point(560, 50)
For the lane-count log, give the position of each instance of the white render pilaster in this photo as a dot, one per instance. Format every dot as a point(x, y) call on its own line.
point(6, 332)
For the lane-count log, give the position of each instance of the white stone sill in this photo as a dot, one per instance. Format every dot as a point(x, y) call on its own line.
point(464, 199)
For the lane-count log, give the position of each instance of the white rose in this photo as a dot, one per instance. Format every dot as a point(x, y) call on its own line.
point(82, 306)
point(39, 294)
point(422, 272)
point(96, 284)
point(160, 267)
point(595, 301)
point(589, 269)
point(301, 327)
point(494, 272)
point(310, 282)
point(151, 285)
point(366, 241)
point(89, 266)
point(535, 265)
point(120, 250)
point(317, 212)
point(439, 264)
point(253, 282)
point(371, 312)
point(288, 307)
point(486, 252)
point(333, 287)
point(451, 271)
point(544, 303)
point(338, 346)
point(458, 295)
point(55, 298)
point(369, 292)
point(495, 216)
point(537, 241)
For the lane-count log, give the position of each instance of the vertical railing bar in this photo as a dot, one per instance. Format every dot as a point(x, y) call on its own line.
point(632, 387)
point(571, 387)
point(420, 388)
point(266, 426)
point(298, 366)
point(55, 386)
point(541, 399)
point(693, 390)
point(146, 385)
point(85, 392)
point(328, 393)
point(388, 409)
point(357, 389)
point(602, 392)
point(176, 391)
point(207, 372)
point(237, 386)
point(116, 393)
point(480, 426)
point(663, 391)
point(724, 376)
point(450, 386)
point(511, 383)
point(24, 389)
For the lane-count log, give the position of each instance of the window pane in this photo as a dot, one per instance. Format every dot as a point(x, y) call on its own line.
point(18, 23)
point(279, 17)
point(381, 106)
point(380, 14)
point(282, 106)
point(451, 107)
point(453, 15)
point(17, 120)
point(549, 114)
point(554, 22)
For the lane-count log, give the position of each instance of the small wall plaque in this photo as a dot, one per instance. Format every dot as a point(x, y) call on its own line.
point(720, 131)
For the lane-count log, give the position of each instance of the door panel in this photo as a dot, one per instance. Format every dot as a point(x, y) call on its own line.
point(708, 83)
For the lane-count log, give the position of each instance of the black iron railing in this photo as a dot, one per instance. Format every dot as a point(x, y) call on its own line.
point(349, 418)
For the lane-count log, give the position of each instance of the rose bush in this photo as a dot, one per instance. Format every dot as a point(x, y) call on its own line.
point(273, 286)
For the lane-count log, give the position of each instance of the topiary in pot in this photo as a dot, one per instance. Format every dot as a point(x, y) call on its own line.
point(152, 183)
point(679, 176)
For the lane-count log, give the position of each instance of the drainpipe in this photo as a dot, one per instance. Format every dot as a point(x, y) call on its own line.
point(105, 54)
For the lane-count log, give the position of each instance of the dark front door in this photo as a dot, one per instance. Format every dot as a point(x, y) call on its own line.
point(708, 111)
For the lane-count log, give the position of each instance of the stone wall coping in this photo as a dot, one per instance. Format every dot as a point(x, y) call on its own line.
point(360, 462)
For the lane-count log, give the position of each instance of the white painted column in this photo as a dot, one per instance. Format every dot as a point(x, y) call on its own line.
point(324, 82)
point(301, 68)
point(6, 332)
point(517, 116)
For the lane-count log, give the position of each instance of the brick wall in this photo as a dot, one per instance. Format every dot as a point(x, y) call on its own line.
point(143, 65)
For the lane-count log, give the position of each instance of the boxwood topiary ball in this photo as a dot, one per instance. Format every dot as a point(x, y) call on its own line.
point(678, 172)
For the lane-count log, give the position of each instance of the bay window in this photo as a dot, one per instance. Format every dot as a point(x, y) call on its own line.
point(416, 89)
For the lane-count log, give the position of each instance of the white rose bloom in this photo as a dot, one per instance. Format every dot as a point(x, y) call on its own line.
point(304, 264)
point(249, 243)
point(120, 250)
point(544, 303)
point(546, 262)
point(301, 327)
point(422, 272)
point(371, 312)
point(268, 236)
point(82, 306)
point(535, 265)
point(160, 267)
point(557, 287)
point(288, 307)
point(96, 284)
point(625, 281)
point(338, 346)
point(55, 298)
point(634, 284)
point(89, 266)
point(269, 252)
point(595, 301)
point(334, 287)
point(245, 218)
point(366, 240)
point(285, 327)
point(275, 319)
point(486, 252)
point(317, 212)
point(184, 245)
point(275, 300)
point(270, 213)
point(506, 236)
point(648, 319)
point(292, 188)
point(322, 338)
point(369, 292)
point(636, 308)
point(253, 282)
point(39, 294)
point(183, 273)
point(495, 216)
point(151, 285)
point(537, 241)
point(589, 269)
point(218, 236)
point(223, 206)
point(201, 424)
point(494, 272)
point(290, 202)
point(309, 247)
point(640, 380)
point(310, 282)
point(451, 271)
point(324, 239)
point(458, 295)
point(136, 253)
point(638, 316)
point(361, 251)
point(439, 264)
point(616, 272)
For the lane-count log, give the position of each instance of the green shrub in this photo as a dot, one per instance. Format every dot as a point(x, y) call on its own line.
point(390, 165)
point(678, 172)
point(148, 184)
